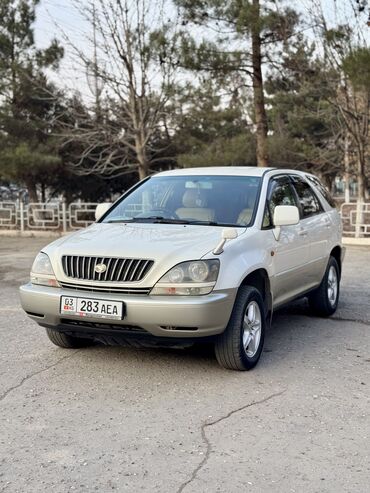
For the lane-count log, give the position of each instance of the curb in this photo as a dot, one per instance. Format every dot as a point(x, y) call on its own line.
point(32, 234)
point(356, 241)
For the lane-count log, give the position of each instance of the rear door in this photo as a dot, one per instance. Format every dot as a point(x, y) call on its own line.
point(289, 255)
point(316, 224)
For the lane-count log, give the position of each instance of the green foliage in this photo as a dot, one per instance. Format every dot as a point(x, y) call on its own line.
point(304, 123)
point(211, 128)
point(29, 101)
point(234, 151)
point(208, 121)
point(357, 67)
point(21, 162)
point(233, 21)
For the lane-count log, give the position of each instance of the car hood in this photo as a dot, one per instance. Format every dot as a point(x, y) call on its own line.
point(166, 244)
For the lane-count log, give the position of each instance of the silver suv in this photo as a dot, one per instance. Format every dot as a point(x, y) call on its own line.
point(192, 255)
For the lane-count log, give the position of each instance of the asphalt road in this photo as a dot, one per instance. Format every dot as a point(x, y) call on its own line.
point(110, 418)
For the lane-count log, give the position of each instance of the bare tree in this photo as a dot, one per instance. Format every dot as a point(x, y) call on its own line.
point(346, 51)
point(132, 77)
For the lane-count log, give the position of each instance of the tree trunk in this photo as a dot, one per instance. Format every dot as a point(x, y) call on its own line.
point(361, 180)
point(43, 192)
point(258, 94)
point(142, 159)
point(347, 197)
point(32, 191)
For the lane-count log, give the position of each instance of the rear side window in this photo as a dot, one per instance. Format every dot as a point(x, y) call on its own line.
point(323, 190)
point(309, 203)
point(280, 192)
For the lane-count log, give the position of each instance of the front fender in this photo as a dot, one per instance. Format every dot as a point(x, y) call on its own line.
point(243, 256)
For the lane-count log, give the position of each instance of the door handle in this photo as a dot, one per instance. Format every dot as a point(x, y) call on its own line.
point(303, 232)
point(327, 223)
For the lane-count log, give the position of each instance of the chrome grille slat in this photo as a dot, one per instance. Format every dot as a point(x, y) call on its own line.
point(134, 270)
point(106, 272)
point(92, 267)
point(95, 274)
point(117, 269)
point(88, 275)
point(115, 263)
point(101, 289)
point(83, 268)
point(124, 261)
point(71, 267)
point(143, 268)
point(126, 269)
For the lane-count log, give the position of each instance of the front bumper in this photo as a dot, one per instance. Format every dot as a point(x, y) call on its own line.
point(161, 316)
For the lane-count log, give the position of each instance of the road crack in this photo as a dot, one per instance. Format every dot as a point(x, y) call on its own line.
point(208, 424)
point(33, 374)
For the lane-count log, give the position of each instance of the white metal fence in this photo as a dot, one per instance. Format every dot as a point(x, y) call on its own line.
point(46, 216)
point(356, 219)
point(61, 217)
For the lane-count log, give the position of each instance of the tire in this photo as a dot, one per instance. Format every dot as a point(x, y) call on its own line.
point(66, 341)
point(230, 349)
point(324, 300)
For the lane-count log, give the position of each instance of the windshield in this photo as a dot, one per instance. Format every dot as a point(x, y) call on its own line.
point(212, 200)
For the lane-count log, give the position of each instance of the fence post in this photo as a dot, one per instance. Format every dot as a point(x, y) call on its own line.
point(64, 217)
point(360, 208)
point(21, 213)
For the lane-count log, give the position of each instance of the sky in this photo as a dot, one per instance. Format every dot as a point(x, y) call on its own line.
point(60, 19)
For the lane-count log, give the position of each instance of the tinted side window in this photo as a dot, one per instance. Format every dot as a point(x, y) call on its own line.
point(310, 204)
point(323, 190)
point(280, 192)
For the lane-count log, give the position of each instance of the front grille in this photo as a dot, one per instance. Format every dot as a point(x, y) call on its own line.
point(104, 289)
point(117, 269)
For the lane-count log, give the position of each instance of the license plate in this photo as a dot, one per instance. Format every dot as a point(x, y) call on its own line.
point(90, 308)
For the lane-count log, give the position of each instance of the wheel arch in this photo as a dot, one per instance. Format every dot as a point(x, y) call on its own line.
point(259, 279)
point(336, 252)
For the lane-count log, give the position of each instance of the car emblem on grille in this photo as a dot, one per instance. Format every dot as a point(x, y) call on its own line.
point(100, 268)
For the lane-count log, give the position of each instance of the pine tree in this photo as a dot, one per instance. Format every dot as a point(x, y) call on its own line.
point(28, 100)
point(243, 34)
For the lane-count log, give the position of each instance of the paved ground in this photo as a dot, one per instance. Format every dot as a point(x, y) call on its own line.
point(109, 418)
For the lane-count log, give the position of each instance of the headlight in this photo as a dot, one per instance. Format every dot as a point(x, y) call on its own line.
point(189, 278)
point(42, 271)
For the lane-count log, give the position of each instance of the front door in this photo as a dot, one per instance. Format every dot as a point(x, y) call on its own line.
point(289, 254)
point(317, 224)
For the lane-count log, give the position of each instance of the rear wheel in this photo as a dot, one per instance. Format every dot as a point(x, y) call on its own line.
point(67, 341)
point(324, 300)
point(240, 346)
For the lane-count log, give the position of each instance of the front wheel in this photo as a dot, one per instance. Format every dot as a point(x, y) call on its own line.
point(324, 301)
point(240, 346)
point(66, 341)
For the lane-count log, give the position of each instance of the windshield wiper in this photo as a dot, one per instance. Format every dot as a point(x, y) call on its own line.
point(168, 220)
point(207, 223)
point(150, 219)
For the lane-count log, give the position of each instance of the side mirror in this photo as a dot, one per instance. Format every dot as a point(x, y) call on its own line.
point(227, 234)
point(101, 209)
point(285, 215)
